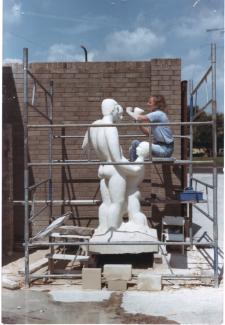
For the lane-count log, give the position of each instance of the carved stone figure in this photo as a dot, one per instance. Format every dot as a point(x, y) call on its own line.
point(105, 141)
point(118, 186)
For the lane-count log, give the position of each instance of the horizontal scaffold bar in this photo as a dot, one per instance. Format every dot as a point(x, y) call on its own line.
point(120, 135)
point(38, 126)
point(146, 243)
point(56, 276)
point(164, 277)
point(158, 161)
point(146, 202)
point(60, 202)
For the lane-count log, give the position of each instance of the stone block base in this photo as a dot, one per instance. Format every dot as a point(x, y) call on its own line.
point(91, 278)
point(117, 285)
point(117, 271)
point(149, 282)
point(127, 232)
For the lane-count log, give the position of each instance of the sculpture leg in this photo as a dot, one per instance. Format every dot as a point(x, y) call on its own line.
point(134, 209)
point(104, 208)
point(117, 190)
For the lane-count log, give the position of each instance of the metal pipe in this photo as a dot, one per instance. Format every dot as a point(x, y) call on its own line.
point(86, 162)
point(37, 213)
point(85, 52)
point(78, 202)
point(201, 182)
point(120, 136)
point(37, 109)
point(214, 111)
point(191, 141)
point(55, 276)
point(125, 243)
point(26, 168)
point(200, 110)
point(203, 212)
point(38, 126)
point(38, 83)
point(50, 139)
point(32, 187)
point(97, 202)
point(201, 81)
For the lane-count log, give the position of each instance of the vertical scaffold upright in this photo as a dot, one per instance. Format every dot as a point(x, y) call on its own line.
point(29, 199)
point(210, 102)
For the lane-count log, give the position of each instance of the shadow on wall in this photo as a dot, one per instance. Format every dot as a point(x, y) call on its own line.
point(12, 115)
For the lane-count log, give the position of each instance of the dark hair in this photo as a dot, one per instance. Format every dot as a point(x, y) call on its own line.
point(160, 102)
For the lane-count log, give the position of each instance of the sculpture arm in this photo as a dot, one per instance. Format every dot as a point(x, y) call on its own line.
point(134, 112)
point(115, 152)
point(112, 139)
point(130, 170)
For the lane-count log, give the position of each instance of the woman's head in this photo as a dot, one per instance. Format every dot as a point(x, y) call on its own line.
point(157, 102)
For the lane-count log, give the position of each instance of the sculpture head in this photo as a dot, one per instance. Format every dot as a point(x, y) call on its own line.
point(111, 107)
point(143, 150)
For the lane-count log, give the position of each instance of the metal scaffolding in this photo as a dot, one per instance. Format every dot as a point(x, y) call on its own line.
point(29, 190)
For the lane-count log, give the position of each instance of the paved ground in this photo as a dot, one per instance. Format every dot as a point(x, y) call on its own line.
point(73, 306)
point(68, 304)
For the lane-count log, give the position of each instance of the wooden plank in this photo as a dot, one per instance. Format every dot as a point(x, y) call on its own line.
point(174, 237)
point(68, 257)
point(75, 230)
point(173, 221)
point(58, 235)
point(35, 266)
point(56, 223)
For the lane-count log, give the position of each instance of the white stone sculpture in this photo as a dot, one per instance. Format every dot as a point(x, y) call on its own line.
point(105, 141)
point(135, 178)
point(118, 186)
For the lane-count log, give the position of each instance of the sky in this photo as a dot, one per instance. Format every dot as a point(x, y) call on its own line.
point(117, 30)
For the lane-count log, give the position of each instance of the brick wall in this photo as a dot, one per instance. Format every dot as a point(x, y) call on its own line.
point(79, 89)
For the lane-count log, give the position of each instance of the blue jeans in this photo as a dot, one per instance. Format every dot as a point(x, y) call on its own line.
point(158, 150)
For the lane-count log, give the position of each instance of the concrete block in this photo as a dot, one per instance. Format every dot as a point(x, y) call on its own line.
point(117, 285)
point(147, 281)
point(91, 278)
point(117, 271)
point(9, 283)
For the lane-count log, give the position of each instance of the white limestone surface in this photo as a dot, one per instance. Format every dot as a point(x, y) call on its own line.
point(127, 232)
point(79, 295)
point(186, 306)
